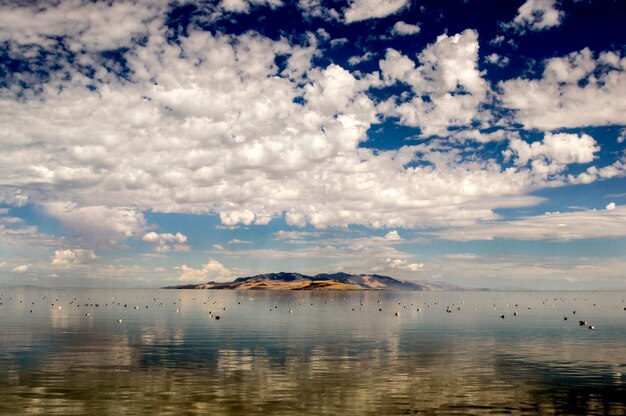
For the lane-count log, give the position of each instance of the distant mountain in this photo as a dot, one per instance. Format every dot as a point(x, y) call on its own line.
point(322, 281)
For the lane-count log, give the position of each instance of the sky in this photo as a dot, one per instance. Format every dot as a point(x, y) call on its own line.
point(474, 142)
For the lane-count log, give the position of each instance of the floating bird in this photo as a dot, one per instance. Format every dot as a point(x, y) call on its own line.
point(582, 323)
point(502, 316)
point(119, 321)
point(592, 327)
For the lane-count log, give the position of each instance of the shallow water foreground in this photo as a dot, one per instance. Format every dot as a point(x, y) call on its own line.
point(65, 351)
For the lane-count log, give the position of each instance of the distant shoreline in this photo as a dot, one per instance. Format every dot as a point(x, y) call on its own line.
point(324, 281)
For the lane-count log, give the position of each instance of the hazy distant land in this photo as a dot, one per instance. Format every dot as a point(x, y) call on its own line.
point(323, 281)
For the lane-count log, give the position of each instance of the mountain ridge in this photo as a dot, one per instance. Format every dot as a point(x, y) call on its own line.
point(322, 281)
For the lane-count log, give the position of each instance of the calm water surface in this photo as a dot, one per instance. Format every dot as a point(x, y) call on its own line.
point(310, 352)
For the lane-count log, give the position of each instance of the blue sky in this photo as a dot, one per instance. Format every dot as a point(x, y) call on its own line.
point(475, 142)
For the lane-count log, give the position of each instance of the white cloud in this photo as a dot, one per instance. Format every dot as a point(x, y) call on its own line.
point(611, 206)
point(393, 235)
point(164, 242)
point(212, 271)
point(482, 137)
point(23, 268)
point(243, 6)
point(461, 256)
point(403, 264)
point(355, 60)
point(73, 256)
point(213, 125)
point(317, 9)
point(497, 41)
point(608, 223)
point(11, 196)
point(237, 241)
point(498, 60)
point(537, 15)
point(401, 28)
point(359, 10)
point(98, 225)
point(554, 152)
point(295, 235)
point(532, 272)
point(575, 91)
point(90, 26)
point(448, 75)
point(622, 136)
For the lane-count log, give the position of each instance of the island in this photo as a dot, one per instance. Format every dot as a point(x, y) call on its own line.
point(322, 281)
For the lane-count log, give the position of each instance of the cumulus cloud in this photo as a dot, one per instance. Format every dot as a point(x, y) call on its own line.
point(553, 153)
point(403, 264)
point(355, 60)
point(318, 9)
point(85, 25)
point(498, 60)
point(243, 6)
point(359, 10)
point(393, 235)
point(99, 225)
point(164, 242)
point(73, 256)
point(212, 124)
point(401, 28)
point(211, 271)
point(575, 91)
point(622, 136)
point(23, 268)
point(537, 15)
point(611, 206)
point(448, 76)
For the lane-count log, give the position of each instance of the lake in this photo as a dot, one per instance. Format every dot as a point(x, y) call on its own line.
point(136, 351)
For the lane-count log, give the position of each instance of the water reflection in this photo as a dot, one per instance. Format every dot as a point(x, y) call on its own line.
point(311, 353)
